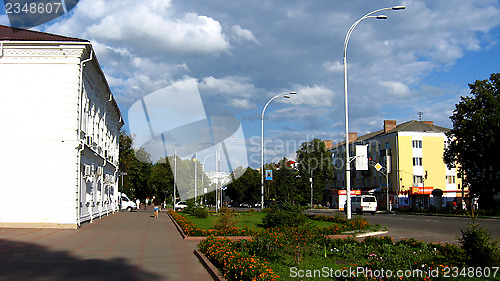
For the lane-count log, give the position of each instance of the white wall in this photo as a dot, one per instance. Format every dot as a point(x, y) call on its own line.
point(40, 170)
point(37, 139)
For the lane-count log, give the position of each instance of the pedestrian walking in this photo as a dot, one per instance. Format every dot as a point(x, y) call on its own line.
point(156, 208)
point(138, 202)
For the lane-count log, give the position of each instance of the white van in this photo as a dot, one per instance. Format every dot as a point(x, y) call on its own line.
point(127, 204)
point(363, 204)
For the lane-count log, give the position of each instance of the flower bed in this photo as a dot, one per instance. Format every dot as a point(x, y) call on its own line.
point(233, 264)
point(274, 253)
point(340, 225)
point(191, 230)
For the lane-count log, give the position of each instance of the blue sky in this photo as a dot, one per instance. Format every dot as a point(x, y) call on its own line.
point(242, 53)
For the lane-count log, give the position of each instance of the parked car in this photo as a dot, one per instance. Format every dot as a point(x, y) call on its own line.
point(180, 205)
point(363, 204)
point(246, 205)
point(127, 204)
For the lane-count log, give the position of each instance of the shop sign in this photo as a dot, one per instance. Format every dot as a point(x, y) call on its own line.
point(419, 190)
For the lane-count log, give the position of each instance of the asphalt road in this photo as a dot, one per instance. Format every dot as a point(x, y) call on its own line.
point(424, 228)
point(430, 228)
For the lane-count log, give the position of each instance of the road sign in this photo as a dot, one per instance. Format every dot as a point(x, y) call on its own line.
point(269, 175)
point(378, 166)
point(361, 157)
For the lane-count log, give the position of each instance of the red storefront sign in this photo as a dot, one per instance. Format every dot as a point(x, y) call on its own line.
point(353, 192)
point(419, 190)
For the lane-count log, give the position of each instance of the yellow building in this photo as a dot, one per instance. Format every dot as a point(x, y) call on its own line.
point(412, 156)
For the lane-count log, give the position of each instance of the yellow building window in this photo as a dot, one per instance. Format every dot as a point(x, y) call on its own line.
point(450, 179)
point(417, 161)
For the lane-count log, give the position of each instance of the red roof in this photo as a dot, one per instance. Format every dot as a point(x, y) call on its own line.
point(8, 33)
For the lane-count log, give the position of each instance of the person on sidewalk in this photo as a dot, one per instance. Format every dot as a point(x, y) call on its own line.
point(156, 208)
point(138, 203)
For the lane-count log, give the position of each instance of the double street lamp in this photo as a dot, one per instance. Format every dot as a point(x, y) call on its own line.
point(286, 96)
point(347, 156)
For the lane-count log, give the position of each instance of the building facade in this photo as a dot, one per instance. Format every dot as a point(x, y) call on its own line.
point(59, 132)
point(411, 155)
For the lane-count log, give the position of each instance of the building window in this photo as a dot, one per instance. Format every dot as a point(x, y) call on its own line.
point(416, 143)
point(450, 179)
point(417, 161)
point(418, 180)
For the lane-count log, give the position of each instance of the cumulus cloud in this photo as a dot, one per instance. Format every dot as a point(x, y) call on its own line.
point(395, 88)
point(243, 35)
point(146, 27)
point(311, 96)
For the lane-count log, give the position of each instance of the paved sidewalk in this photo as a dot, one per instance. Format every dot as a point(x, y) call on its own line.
point(123, 246)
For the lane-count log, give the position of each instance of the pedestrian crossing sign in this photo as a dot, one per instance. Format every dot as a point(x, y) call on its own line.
point(269, 175)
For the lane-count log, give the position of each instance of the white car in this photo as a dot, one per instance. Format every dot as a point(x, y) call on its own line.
point(128, 204)
point(180, 205)
point(363, 204)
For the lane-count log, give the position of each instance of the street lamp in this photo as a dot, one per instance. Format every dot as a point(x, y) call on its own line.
point(203, 168)
point(286, 96)
point(122, 174)
point(347, 156)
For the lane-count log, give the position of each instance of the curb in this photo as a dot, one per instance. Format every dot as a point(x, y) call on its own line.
point(443, 215)
point(214, 272)
point(370, 234)
point(179, 228)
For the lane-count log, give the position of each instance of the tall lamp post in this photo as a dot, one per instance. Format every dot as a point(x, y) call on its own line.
point(347, 156)
point(286, 96)
point(203, 169)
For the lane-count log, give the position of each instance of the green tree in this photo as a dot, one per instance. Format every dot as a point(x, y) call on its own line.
point(162, 180)
point(283, 186)
point(245, 188)
point(475, 140)
point(136, 182)
point(313, 157)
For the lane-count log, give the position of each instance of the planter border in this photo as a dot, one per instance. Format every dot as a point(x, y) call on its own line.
point(214, 272)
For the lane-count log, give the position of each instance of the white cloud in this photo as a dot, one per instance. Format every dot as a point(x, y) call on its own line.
point(397, 89)
point(241, 104)
point(311, 96)
point(4, 20)
point(146, 27)
point(334, 66)
point(243, 34)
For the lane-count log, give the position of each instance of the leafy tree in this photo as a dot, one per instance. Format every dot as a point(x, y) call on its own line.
point(475, 140)
point(313, 157)
point(245, 188)
point(162, 180)
point(283, 186)
point(136, 182)
point(139, 175)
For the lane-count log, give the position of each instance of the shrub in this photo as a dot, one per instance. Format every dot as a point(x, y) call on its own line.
point(378, 241)
point(200, 212)
point(480, 249)
point(226, 219)
point(283, 215)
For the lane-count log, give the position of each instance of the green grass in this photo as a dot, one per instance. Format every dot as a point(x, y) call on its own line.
point(251, 220)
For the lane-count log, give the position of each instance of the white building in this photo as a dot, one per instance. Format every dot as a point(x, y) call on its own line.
point(59, 132)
